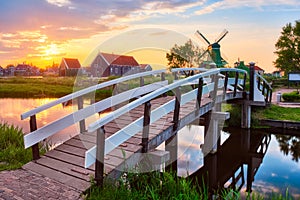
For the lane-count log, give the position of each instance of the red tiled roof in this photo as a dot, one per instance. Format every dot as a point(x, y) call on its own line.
point(22, 67)
point(256, 68)
point(72, 63)
point(114, 59)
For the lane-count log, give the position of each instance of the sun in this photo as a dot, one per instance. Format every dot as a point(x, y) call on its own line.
point(51, 50)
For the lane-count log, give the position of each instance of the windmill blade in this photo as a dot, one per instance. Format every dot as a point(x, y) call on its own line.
point(199, 35)
point(221, 36)
point(203, 54)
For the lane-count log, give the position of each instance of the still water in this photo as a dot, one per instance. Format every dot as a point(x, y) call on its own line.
point(11, 110)
point(264, 162)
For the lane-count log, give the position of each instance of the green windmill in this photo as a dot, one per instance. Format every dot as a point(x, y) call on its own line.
point(214, 49)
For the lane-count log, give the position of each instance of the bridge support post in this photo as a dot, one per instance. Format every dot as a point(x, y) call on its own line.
point(212, 131)
point(99, 168)
point(171, 145)
point(246, 115)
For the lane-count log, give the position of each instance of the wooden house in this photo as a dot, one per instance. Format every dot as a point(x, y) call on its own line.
point(69, 67)
point(106, 64)
point(145, 67)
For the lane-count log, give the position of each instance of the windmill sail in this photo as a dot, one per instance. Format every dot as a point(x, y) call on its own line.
point(214, 49)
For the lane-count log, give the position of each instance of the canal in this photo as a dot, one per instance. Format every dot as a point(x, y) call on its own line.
point(247, 159)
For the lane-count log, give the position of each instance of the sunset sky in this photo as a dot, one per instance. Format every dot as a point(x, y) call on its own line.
point(43, 31)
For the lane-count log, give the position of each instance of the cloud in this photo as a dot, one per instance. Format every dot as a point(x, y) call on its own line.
point(257, 4)
point(59, 3)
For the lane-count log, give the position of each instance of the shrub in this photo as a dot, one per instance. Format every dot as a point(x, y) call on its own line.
point(292, 96)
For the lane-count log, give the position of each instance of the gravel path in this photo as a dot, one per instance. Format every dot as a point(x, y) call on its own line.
point(25, 185)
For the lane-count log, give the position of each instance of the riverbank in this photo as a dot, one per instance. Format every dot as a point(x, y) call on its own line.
point(21, 87)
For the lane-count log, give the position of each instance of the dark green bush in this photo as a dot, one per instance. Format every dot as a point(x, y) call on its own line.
point(292, 96)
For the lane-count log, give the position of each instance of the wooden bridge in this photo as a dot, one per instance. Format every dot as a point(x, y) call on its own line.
point(141, 119)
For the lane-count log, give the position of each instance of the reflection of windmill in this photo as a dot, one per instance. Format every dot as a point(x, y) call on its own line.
point(214, 49)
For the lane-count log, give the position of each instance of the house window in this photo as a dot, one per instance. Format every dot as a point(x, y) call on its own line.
point(116, 70)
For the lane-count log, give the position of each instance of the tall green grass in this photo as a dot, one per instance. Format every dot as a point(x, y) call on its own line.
point(148, 186)
point(12, 152)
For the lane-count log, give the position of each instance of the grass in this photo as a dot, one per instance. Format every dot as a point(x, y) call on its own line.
point(21, 87)
point(148, 186)
point(12, 152)
point(277, 113)
point(166, 185)
point(56, 87)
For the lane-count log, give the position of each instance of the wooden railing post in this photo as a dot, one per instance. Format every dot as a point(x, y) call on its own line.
point(235, 83)
point(146, 126)
point(214, 93)
point(251, 94)
point(177, 108)
point(35, 147)
point(82, 122)
point(142, 82)
point(270, 96)
point(258, 83)
point(225, 85)
point(264, 87)
point(244, 83)
point(99, 168)
point(163, 78)
point(175, 75)
point(199, 93)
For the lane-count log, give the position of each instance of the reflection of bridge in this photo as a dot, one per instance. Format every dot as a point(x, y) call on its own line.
point(225, 169)
point(142, 118)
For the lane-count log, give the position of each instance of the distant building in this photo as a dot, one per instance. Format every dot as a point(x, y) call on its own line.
point(278, 74)
point(106, 64)
point(145, 67)
point(69, 67)
point(22, 70)
point(9, 71)
point(241, 65)
point(1, 71)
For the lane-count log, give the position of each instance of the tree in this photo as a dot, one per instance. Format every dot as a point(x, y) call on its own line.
point(288, 48)
point(185, 56)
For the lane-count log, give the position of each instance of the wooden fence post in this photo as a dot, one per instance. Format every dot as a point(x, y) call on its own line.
point(146, 126)
point(99, 168)
point(35, 147)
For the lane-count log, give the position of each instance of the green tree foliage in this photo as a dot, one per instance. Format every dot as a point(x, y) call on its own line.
point(288, 48)
point(185, 56)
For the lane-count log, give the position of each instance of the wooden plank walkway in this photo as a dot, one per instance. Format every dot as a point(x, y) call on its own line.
point(65, 163)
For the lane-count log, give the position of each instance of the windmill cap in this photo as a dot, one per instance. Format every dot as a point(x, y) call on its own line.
point(215, 45)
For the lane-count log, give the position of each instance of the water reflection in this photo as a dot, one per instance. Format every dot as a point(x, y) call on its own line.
point(289, 145)
point(11, 109)
point(246, 160)
point(225, 168)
